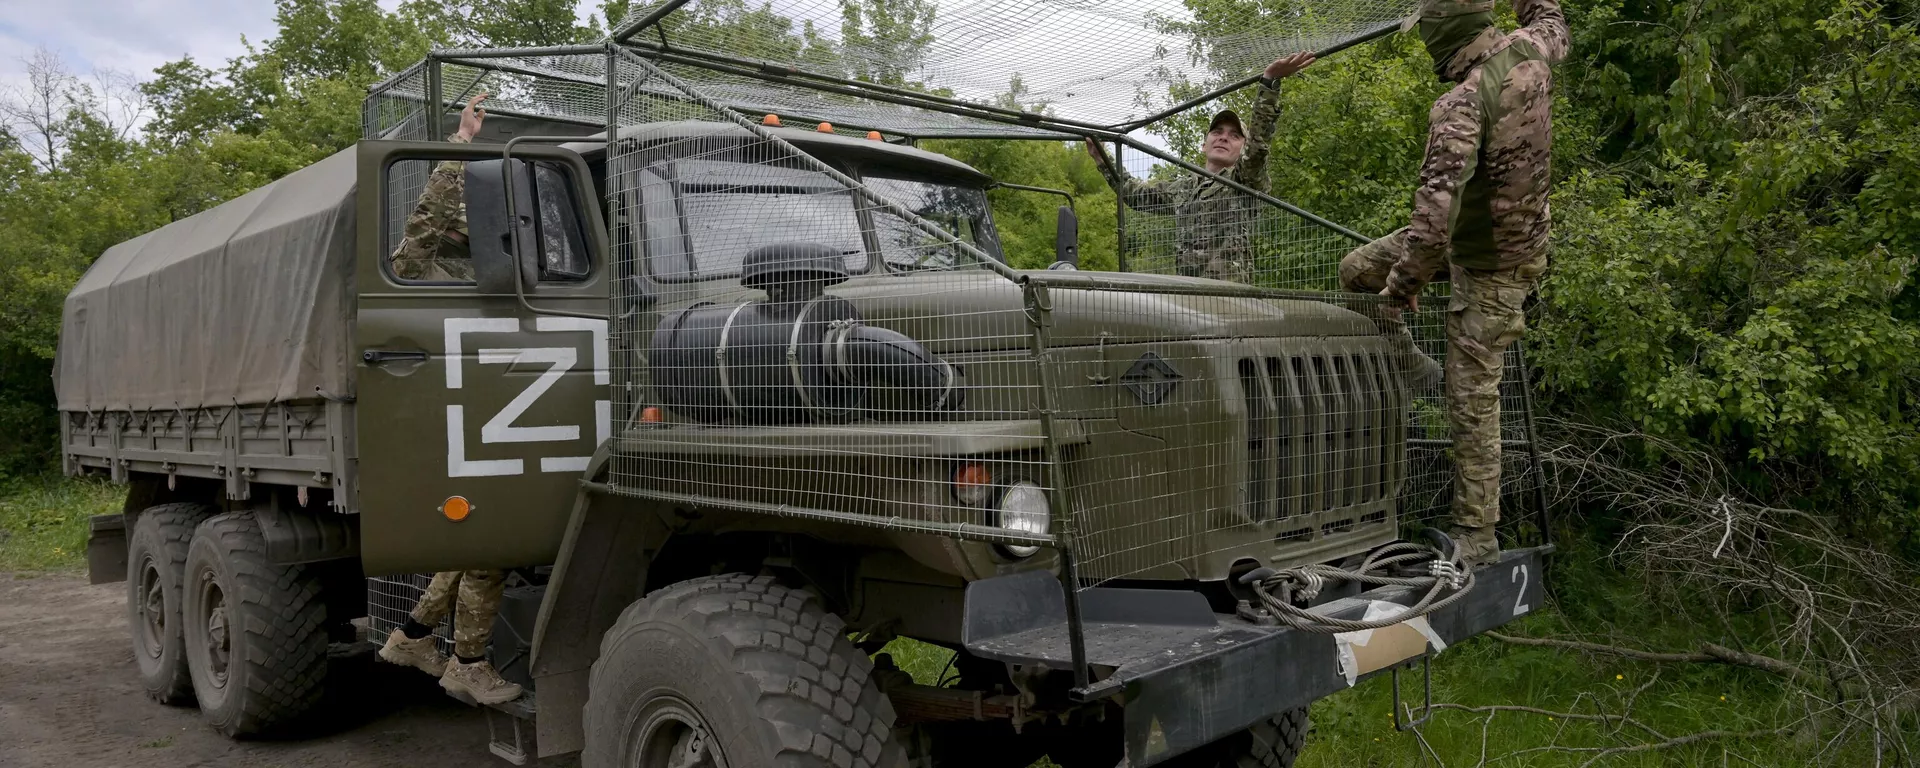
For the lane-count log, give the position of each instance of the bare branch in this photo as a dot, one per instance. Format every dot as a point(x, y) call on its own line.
point(36, 112)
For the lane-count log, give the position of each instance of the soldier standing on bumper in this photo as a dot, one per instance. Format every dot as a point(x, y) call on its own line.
point(434, 248)
point(1480, 215)
point(1214, 222)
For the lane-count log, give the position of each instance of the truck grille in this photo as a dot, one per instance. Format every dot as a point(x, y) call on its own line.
point(1325, 431)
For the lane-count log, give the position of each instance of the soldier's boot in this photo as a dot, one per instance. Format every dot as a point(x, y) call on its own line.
point(421, 654)
point(1475, 548)
point(1424, 373)
point(478, 681)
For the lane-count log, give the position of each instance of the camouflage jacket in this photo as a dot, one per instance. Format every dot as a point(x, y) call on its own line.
point(1213, 222)
point(426, 252)
point(1482, 194)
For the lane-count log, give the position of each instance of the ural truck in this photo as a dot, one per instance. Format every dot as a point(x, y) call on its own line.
point(747, 409)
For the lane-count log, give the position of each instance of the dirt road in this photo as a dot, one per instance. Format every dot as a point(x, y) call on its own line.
point(69, 698)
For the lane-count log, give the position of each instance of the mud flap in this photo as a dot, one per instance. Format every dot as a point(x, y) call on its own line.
point(107, 549)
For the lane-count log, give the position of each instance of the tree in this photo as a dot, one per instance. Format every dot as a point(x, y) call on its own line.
point(884, 41)
point(36, 112)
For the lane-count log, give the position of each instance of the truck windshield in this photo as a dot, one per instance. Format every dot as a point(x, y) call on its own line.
point(961, 211)
point(725, 209)
point(701, 217)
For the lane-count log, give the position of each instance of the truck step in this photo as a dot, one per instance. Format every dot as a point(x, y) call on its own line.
point(510, 729)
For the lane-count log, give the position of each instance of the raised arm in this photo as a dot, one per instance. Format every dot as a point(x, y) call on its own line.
point(1453, 151)
point(442, 206)
point(1149, 196)
point(1252, 168)
point(439, 210)
point(1543, 24)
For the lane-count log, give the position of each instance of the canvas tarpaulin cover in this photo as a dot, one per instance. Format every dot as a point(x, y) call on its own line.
point(249, 302)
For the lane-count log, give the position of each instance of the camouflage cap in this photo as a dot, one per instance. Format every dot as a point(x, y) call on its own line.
point(1227, 116)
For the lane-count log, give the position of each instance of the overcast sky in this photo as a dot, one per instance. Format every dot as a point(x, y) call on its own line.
point(135, 36)
point(132, 36)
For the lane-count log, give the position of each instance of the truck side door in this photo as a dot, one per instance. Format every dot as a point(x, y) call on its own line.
point(476, 410)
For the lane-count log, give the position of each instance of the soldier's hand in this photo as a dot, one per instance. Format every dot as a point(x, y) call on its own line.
point(472, 116)
point(1288, 66)
point(1097, 152)
point(1412, 302)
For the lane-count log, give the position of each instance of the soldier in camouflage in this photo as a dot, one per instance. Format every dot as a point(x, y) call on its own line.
point(433, 244)
point(1214, 222)
point(434, 248)
point(1480, 218)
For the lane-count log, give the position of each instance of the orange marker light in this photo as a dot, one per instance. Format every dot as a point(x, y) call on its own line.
point(824, 128)
point(771, 120)
point(972, 483)
point(652, 415)
point(875, 135)
point(456, 508)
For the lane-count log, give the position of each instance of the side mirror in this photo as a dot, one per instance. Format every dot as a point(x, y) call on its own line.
point(1066, 238)
point(489, 233)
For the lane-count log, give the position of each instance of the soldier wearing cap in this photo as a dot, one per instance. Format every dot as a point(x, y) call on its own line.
point(1479, 216)
point(1213, 221)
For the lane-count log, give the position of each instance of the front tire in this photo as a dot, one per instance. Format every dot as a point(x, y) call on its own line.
point(734, 671)
point(1271, 743)
point(256, 631)
point(156, 562)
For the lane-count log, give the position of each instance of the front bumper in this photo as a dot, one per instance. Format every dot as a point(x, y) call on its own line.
point(1189, 677)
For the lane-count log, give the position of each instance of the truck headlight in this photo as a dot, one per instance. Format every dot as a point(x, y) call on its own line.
point(1023, 508)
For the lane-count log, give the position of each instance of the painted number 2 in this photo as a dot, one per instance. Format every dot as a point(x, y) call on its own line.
point(1519, 600)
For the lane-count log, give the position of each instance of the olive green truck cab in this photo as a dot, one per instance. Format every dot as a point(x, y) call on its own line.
point(738, 426)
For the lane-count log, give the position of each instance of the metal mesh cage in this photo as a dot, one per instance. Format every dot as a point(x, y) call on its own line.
point(1161, 233)
point(808, 337)
point(390, 601)
point(1102, 63)
point(817, 323)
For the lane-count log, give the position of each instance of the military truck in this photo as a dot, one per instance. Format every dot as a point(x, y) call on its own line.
point(747, 408)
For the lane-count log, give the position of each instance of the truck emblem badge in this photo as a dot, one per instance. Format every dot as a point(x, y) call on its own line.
point(1151, 379)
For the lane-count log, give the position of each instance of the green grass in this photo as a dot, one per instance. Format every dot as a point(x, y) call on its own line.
point(43, 523)
point(1595, 601)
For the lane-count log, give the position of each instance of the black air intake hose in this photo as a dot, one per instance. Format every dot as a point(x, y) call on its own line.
point(879, 359)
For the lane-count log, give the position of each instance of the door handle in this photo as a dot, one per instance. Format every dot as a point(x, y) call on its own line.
point(384, 356)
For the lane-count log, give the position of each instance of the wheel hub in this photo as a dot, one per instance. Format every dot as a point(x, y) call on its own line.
point(153, 612)
point(219, 640)
point(673, 735)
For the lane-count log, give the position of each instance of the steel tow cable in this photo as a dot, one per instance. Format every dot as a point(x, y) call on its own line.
point(1447, 581)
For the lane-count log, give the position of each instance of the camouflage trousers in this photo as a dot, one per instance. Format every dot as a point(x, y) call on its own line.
point(1484, 317)
point(1228, 263)
point(479, 599)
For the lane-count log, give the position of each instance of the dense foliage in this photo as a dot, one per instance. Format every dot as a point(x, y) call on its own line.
point(1736, 202)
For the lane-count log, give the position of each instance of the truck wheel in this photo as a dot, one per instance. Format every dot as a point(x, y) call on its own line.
point(1271, 743)
point(256, 632)
point(734, 670)
point(156, 561)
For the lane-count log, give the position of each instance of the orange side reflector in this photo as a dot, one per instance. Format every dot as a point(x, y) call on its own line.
point(456, 508)
point(824, 128)
point(972, 483)
point(652, 415)
point(771, 119)
point(874, 135)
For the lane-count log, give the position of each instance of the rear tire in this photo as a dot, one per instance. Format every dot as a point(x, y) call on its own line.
point(737, 665)
point(256, 632)
point(156, 563)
